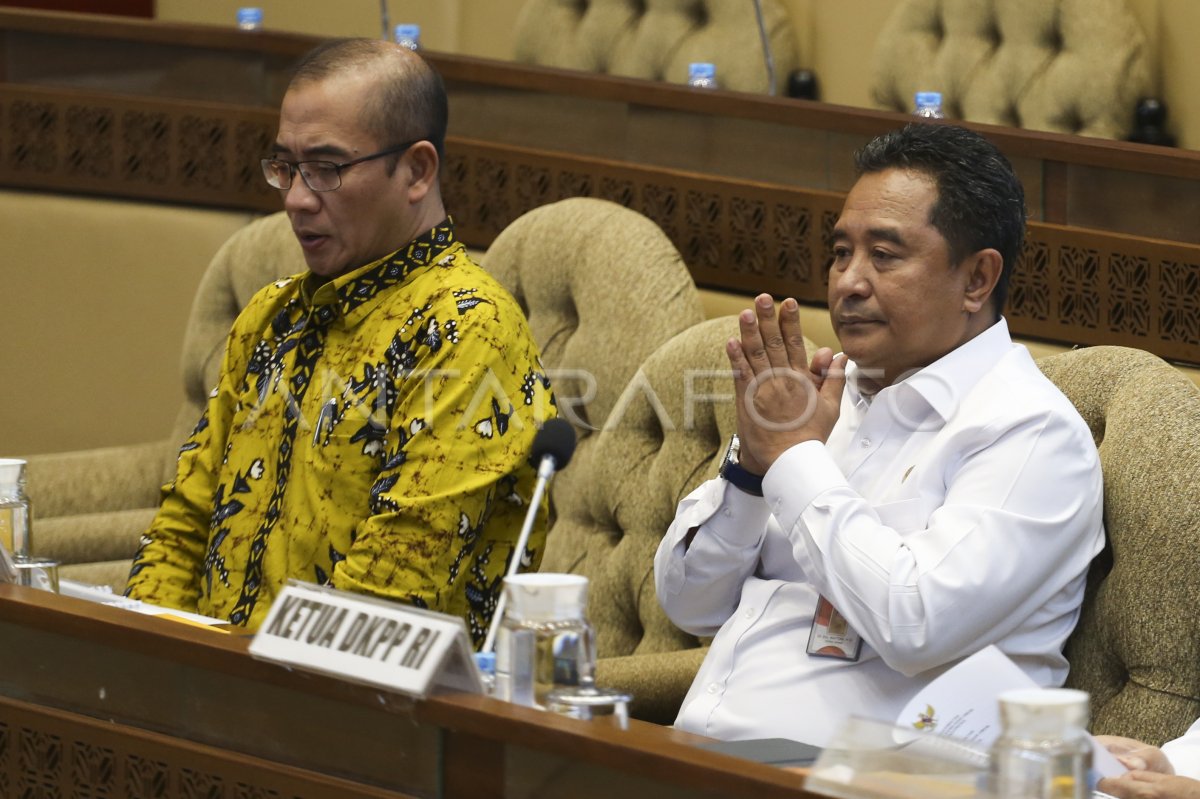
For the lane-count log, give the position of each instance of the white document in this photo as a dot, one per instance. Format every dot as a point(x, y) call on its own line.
point(964, 703)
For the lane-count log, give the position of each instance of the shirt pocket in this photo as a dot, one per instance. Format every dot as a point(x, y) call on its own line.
point(903, 516)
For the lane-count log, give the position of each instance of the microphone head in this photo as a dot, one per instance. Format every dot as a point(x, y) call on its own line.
point(556, 439)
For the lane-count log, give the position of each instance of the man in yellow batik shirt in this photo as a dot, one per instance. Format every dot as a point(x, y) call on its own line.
point(374, 415)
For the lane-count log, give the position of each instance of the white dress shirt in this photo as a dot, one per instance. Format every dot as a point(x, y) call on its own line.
point(957, 508)
point(1184, 752)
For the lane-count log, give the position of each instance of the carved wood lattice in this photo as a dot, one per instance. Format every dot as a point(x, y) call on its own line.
point(1071, 285)
point(57, 755)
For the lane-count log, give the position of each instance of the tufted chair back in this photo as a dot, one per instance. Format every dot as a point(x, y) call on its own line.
point(1137, 647)
point(255, 255)
point(602, 287)
point(657, 39)
point(1068, 66)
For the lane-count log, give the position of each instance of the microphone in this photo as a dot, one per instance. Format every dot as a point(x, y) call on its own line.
point(766, 46)
point(552, 449)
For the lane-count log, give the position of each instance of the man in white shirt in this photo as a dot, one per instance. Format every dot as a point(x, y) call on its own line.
point(902, 505)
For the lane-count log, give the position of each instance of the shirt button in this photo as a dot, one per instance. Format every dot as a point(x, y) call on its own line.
point(749, 614)
point(864, 443)
point(714, 687)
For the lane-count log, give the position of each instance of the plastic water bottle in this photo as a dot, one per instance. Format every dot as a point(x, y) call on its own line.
point(250, 18)
point(14, 508)
point(929, 105)
point(408, 36)
point(1043, 751)
point(702, 75)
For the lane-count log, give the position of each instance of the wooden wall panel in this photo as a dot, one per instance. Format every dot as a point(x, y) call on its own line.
point(1073, 285)
point(149, 149)
point(53, 754)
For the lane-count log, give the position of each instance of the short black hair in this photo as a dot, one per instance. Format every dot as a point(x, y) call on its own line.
point(411, 102)
point(980, 202)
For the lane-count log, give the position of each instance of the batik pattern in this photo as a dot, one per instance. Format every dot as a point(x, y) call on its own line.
point(370, 433)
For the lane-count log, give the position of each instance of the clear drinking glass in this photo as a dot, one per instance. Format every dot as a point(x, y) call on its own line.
point(1043, 751)
point(544, 641)
point(14, 508)
point(41, 573)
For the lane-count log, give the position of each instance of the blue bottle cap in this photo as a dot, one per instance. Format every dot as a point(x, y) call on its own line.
point(410, 32)
point(701, 70)
point(486, 662)
point(928, 98)
point(250, 15)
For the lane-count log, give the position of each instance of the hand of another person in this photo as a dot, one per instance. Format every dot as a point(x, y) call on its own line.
point(1136, 755)
point(781, 400)
point(1150, 785)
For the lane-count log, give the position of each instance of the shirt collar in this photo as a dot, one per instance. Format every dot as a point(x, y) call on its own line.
point(349, 295)
point(939, 387)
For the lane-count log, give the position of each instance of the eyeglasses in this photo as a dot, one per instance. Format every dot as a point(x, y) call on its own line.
point(318, 175)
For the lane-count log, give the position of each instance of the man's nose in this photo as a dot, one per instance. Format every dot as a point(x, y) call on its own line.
point(853, 279)
point(299, 197)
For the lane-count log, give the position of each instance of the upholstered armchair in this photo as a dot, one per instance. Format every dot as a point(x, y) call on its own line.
point(602, 287)
point(1068, 66)
point(669, 437)
point(91, 507)
point(1137, 647)
point(665, 436)
point(657, 39)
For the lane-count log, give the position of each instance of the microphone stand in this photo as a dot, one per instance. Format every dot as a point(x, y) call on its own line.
point(545, 471)
point(766, 46)
point(383, 17)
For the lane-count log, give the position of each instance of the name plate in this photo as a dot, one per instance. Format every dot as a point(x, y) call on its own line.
point(367, 640)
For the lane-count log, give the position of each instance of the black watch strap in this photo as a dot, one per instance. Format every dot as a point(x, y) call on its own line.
point(750, 483)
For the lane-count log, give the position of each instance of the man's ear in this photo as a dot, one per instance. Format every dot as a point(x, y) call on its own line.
point(423, 165)
point(983, 273)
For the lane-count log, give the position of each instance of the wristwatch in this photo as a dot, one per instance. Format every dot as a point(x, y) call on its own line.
point(732, 471)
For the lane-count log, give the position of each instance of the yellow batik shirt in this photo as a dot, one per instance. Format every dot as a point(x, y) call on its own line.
point(371, 433)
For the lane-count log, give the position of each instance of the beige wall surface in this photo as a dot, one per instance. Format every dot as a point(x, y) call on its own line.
point(96, 296)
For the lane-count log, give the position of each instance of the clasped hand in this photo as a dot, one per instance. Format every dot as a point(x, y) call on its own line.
point(781, 398)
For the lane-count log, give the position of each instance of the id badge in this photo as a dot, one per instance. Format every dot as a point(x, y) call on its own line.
point(831, 635)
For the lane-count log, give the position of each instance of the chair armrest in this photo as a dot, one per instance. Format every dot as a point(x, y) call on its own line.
point(91, 537)
point(97, 480)
point(658, 681)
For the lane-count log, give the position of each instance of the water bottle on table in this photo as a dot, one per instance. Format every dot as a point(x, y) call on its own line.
point(702, 75)
point(250, 18)
point(408, 36)
point(929, 105)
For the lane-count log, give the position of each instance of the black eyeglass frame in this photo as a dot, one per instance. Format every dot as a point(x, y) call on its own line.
point(294, 166)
